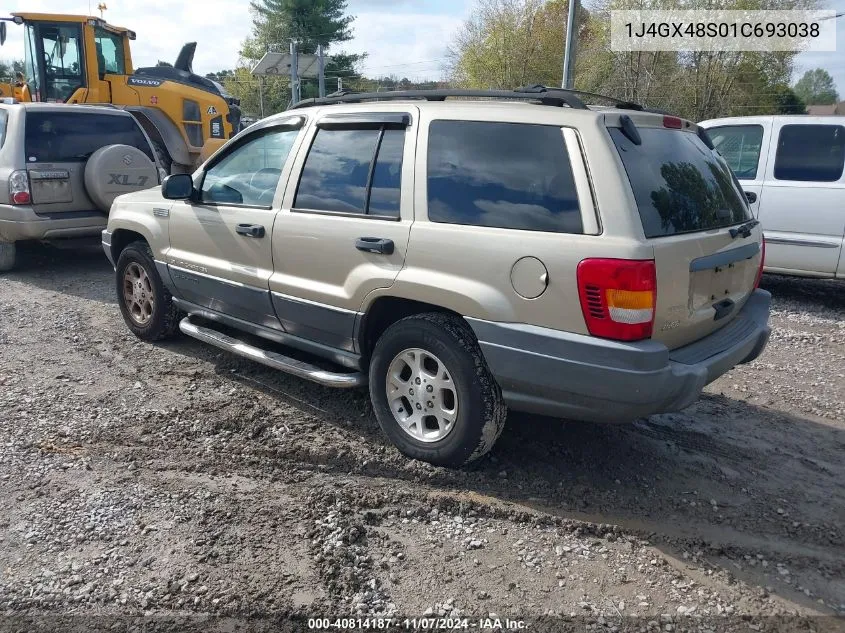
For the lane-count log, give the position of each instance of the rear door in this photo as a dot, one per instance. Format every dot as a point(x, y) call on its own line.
point(745, 148)
point(343, 230)
point(803, 210)
point(688, 202)
point(56, 147)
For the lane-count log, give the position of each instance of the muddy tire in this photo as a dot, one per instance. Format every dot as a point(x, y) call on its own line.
point(146, 305)
point(432, 392)
point(8, 251)
point(163, 157)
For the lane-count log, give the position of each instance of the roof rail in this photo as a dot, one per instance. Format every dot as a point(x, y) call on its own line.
point(549, 97)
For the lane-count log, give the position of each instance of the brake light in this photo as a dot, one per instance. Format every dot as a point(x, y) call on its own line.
point(19, 187)
point(673, 122)
point(762, 263)
point(618, 297)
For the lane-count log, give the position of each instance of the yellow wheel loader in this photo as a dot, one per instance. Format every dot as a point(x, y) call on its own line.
point(81, 59)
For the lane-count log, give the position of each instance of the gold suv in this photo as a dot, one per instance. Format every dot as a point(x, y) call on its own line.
point(461, 256)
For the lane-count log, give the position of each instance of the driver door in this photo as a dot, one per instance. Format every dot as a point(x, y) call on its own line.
point(220, 256)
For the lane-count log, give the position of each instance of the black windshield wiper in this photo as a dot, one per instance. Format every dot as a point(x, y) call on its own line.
point(744, 230)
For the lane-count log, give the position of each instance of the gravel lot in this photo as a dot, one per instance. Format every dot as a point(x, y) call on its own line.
point(173, 480)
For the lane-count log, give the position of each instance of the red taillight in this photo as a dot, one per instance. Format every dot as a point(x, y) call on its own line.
point(673, 122)
point(762, 263)
point(618, 297)
point(19, 187)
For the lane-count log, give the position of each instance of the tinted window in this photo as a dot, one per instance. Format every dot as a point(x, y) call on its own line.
point(740, 146)
point(56, 137)
point(387, 175)
point(250, 173)
point(810, 152)
point(680, 185)
point(337, 173)
point(505, 175)
point(4, 117)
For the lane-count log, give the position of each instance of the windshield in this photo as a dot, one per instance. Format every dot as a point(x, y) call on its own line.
point(680, 185)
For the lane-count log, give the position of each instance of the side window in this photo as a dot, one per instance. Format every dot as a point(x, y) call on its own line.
point(250, 173)
point(353, 171)
point(810, 153)
point(109, 52)
point(505, 175)
point(740, 146)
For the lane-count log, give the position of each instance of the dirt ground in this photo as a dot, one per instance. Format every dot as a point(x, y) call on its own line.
point(175, 481)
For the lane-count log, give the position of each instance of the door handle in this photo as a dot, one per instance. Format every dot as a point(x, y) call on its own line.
point(751, 197)
point(374, 245)
point(250, 230)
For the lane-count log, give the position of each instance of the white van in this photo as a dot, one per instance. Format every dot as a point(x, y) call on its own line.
point(791, 168)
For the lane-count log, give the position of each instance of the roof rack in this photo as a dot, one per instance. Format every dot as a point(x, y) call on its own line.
point(543, 95)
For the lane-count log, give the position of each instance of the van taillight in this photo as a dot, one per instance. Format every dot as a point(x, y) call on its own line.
point(762, 263)
point(618, 297)
point(19, 188)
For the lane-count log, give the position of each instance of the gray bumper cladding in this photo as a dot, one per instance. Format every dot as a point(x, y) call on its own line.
point(581, 377)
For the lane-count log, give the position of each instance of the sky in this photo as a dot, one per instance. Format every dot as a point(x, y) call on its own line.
point(407, 38)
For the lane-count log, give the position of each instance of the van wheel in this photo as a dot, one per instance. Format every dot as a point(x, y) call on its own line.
point(146, 305)
point(432, 391)
point(7, 255)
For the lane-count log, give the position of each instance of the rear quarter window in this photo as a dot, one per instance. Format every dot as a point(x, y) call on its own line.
point(810, 153)
point(679, 183)
point(4, 119)
point(504, 175)
point(65, 137)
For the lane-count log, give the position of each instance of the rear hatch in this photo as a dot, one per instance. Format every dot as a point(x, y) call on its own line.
point(57, 146)
point(695, 217)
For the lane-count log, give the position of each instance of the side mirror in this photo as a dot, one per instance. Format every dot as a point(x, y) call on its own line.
point(2, 33)
point(177, 187)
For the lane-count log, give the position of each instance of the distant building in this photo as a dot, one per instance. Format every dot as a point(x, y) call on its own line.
point(822, 110)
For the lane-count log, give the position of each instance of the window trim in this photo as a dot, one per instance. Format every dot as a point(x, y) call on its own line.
point(799, 125)
point(296, 124)
point(761, 154)
point(376, 123)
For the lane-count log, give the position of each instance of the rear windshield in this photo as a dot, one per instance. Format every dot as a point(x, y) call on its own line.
point(66, 137)
point(679, 184)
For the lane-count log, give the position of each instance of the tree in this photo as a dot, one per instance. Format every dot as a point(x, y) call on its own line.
point(817, 87)
point(220, 76)
point(787, 102)
point(11, 69)
point(163, 63)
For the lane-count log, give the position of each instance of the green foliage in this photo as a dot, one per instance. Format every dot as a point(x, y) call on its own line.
point(787, 102)
point(8, 70)
point(508, 43)
point(163, 63)
point(817, 87)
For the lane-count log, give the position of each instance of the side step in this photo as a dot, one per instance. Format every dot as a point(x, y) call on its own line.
point(272, 359)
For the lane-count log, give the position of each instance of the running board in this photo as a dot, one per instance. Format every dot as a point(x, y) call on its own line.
point(272, 359)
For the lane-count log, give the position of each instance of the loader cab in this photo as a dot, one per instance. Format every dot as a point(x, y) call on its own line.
point(67, 57)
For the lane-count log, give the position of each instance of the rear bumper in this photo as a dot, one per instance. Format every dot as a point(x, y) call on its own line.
point(22, 223)
point(581, 377)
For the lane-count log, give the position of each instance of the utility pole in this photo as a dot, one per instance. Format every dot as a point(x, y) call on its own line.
point(321, 76)
point(261, 94)
point(571, 45)
point(339, 84)
point(294, 75)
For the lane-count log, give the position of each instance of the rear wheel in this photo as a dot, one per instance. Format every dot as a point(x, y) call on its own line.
point(432, 392)
point(7, 255)
point(146, 305)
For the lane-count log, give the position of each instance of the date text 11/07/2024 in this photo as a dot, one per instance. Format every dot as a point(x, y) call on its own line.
point(416, 624)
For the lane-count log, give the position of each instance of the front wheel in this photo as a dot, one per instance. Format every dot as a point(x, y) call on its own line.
point(145, 303)
point(432, 391)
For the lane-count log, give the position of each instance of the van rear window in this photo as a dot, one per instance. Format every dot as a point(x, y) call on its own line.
point(65, 137)
point(679, 184)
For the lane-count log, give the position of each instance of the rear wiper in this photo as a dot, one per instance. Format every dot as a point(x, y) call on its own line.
point(744, 230)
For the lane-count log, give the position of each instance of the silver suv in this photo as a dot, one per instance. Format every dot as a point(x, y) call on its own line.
point(61, 166)
point(460, 256)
